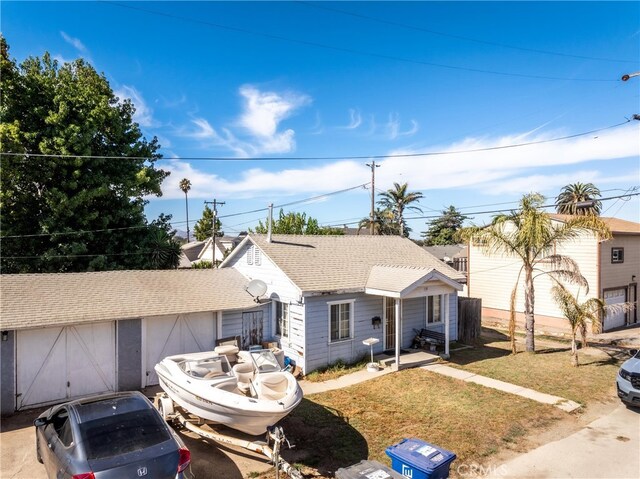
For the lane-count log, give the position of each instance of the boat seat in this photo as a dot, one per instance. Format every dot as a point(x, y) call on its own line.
point(228, 350)
point(244, 373)
point(273, 386)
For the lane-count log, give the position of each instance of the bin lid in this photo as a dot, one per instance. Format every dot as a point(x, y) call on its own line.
point(420, 455)
point(367, 470)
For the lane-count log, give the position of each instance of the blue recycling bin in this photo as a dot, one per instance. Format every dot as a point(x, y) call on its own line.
point(417, 459)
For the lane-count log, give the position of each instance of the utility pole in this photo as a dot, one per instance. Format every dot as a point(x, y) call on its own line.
point(215, 204)
point(373, 167)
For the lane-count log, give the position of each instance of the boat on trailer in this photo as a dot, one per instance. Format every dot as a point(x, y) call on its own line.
point(249, 397)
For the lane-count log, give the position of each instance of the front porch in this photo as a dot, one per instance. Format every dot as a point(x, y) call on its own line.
point(413, 298)
point(409, 358)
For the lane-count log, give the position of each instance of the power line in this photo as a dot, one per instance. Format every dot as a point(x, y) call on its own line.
point(628, 195)
point(358, 157)
point(323, 6)
point(107, 230)
point(352, 51)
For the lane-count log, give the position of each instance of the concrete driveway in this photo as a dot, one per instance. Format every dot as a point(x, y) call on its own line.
point(208, 459)
point(607, 448)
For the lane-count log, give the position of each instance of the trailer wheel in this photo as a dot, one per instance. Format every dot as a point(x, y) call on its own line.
point(165, 408)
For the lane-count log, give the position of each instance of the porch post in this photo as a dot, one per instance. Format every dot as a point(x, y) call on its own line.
point(398, 309)
point(447, 333)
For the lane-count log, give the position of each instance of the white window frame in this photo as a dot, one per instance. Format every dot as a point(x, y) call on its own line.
point(441, 310)
point(257, 257)
point(250, 255)
point(351, 303)
point(277, 320)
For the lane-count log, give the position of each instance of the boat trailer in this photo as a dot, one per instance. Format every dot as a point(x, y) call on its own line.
point(173, 413)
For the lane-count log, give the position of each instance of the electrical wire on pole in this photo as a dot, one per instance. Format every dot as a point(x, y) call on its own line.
point(373, 167)
point(215, 204)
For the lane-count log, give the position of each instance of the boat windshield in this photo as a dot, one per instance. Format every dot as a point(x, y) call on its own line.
point(265, 361)
point(206, 368)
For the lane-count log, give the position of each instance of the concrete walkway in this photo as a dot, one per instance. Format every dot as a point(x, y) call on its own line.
point(309, 387)
point(607, 448)
point(564, 404)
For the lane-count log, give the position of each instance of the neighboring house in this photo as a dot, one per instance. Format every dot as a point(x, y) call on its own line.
point(454, 255)
point(198, 251)
point(611, 268)
point(73, 334)
point(329, 293)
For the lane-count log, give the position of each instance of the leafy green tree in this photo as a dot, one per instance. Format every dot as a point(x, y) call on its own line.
point(295, 224)
point(569, 199)
point(75, 170)
point(529, 235)
point(203, 229)
point(444, 229)
point(398, 200)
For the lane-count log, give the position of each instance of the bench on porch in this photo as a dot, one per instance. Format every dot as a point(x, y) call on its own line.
point(430, 336)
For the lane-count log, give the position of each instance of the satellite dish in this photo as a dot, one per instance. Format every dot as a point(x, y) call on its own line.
point(256, 288)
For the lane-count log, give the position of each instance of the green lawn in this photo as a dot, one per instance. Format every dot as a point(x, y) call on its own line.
point(339, 428)
point(548, 370)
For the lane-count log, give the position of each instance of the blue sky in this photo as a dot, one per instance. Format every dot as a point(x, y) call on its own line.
point(261, 80)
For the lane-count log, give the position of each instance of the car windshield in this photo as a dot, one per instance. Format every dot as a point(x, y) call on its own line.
point(123, 433)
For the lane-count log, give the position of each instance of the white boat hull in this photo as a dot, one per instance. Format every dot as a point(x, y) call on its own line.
point(218, 400)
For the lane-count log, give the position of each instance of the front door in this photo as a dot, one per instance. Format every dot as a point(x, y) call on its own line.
point(389, 324)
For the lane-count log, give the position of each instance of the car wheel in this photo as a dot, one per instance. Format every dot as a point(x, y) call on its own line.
point(38, 455)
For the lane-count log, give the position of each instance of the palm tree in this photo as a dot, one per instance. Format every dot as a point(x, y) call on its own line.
point(185, 186)
point(382, 223)
point(397, 200)
point(529, 235)
point(578, 314)
point(569, 199)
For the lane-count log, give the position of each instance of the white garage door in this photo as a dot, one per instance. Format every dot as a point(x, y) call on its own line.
point(614, 319)
point(55, 364)
point(176, 334)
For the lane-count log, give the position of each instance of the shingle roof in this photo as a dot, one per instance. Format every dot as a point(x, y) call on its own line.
point(616, 225)
point(37, 300)
point(337, 263)
point(397, 281)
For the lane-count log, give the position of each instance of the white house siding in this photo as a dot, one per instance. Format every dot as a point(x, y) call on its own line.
point(492, 278)
point(616, 276)
point(278, 284)
point(279, 288)
point(414, 317)
point(320, 352)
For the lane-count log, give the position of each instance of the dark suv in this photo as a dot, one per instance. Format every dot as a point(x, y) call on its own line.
point(109, 436)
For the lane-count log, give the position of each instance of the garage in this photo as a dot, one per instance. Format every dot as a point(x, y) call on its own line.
point(615, 319)
point(175, 334)
point(55, 364)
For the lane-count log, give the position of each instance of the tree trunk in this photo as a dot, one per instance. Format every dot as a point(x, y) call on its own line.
point(529, 299)
point(574, 351)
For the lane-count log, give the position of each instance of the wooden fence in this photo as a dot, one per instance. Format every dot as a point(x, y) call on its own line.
point(469, 319)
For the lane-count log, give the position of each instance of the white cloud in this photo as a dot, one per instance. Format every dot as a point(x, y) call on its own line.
point(143, 115)
point(263, 112)
point(76, 43)
point(507, 171)
point(481, 168)
point(355, 119)
point(259, 121)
